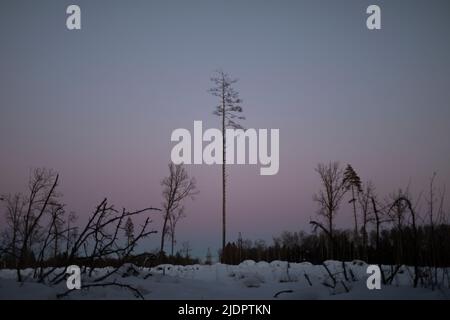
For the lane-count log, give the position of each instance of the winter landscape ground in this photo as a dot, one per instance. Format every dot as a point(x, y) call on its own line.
point(249, 280)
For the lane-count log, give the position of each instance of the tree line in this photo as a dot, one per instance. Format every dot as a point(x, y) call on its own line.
point(396, 230)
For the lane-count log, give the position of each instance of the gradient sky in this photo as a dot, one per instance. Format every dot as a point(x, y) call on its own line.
point(99, 105)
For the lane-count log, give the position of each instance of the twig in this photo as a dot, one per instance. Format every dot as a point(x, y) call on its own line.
point(330, 274)
point(280, 292)
point(307, 279)
point(345, 287)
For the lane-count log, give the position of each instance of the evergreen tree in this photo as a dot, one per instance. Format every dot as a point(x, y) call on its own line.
point(228, 110)
point(353, 182)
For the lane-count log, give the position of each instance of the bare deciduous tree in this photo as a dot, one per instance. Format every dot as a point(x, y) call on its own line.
point(41, 198)
point(12, 235)
point(99, 240)
point(435, 201)
point(404, 202)
point(176, 188)
point(329, 198)
point(364, 199)
point(35, 223)
point(53, 233)
point(397, 213)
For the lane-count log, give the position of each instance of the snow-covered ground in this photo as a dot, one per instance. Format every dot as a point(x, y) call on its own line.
point(249, 280)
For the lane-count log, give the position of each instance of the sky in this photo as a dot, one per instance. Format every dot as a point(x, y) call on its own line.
point(99, 104)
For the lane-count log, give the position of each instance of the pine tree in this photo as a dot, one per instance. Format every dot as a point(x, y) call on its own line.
point(353, 182)
point(228, 110)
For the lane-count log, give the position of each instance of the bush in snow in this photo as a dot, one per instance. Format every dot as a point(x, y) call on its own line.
point(129, 270)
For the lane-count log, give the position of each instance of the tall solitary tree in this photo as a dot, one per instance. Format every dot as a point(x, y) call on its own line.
point(228, 109)
point(177, 186)
point(353, 182)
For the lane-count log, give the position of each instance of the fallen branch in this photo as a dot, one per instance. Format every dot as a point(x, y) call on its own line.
point(307, 279)
point(330, 274)
point(393, 274)
point(344, 270)
point(352, 274)
point(280, 292)
point(345, 287)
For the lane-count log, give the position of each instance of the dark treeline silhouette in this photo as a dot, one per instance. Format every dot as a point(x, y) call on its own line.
point(395, 247)
point(146, 259)
point(177, 259)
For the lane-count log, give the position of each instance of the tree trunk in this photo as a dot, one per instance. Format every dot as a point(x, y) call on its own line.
point(223, 174)
point(365, 240)
point(354, 213)
point(330, 222)
point(55, 254)
point(163, 233)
